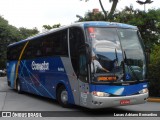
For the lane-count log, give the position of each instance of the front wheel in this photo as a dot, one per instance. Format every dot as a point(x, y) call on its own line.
point(62, 96)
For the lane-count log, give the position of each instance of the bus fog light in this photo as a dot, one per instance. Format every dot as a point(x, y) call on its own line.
point(143, 91)
point(100, 94)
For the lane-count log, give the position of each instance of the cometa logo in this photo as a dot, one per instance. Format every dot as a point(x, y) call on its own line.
point(40, 66)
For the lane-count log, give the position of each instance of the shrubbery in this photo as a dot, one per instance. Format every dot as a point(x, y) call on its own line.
point(154, 72)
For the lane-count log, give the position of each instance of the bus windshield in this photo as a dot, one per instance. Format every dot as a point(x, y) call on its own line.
point(117, 55)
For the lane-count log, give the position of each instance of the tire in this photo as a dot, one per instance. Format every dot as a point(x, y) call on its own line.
point(18, 87)
point(62, 96)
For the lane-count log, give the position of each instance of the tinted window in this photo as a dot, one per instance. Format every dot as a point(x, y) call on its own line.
point(48, 45)
point(56, 44)
point(31, 50)
point(14, 52)
point(77, 40)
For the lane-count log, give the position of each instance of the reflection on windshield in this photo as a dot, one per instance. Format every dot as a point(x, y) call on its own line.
point(135, 61)
point(108, 58)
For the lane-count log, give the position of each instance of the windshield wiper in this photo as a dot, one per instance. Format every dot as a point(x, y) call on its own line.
point(116, 55)
point(116, 60)
point(131, 69)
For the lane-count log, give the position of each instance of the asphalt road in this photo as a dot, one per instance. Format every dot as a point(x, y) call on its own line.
point(10, 100)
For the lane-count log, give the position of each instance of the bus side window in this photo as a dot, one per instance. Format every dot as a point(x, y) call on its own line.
point(76, 39)
point(15, 51)
point(55, 44)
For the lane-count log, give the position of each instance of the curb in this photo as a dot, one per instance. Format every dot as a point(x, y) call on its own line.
point(153, 100)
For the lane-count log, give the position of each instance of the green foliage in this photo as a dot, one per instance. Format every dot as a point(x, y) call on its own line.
point(10, 34)
point(27, 32)
point(48, 27)
point(90, 16)
point(154, 69)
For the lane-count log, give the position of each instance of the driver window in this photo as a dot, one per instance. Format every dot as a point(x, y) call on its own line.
point(83, 67)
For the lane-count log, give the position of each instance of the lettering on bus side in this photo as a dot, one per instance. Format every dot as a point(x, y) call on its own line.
point(40, 66)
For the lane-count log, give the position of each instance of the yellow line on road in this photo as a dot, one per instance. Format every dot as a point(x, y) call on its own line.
point(153, 99)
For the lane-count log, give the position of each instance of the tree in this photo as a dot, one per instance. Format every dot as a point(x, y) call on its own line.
point(10, 34)
point(104, 11)
point(91, 16)
point(108, 16)
point(113, 8)
point(24, 32)
point(48, 27)
point(154, 68)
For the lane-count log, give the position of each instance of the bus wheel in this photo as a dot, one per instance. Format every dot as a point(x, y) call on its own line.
point(62, 96)
point(18, 87)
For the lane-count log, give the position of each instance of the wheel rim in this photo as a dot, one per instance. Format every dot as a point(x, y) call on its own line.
point(64, 96)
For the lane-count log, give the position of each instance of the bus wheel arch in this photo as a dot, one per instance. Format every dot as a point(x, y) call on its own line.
point(62, 95)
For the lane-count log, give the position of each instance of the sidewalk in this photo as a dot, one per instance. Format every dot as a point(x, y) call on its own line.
point(152, 99)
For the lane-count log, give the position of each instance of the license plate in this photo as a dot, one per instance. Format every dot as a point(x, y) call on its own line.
point(124, 102)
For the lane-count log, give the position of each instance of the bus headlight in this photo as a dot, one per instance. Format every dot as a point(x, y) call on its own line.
point(143, 91)
point(100, 94)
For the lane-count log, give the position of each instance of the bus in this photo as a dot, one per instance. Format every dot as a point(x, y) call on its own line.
point(91, 64)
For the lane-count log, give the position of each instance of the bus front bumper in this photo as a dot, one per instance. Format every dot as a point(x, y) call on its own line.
point(104, 102)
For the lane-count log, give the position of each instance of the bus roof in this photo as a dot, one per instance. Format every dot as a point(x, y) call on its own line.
point(80, 24)
point(108, 24)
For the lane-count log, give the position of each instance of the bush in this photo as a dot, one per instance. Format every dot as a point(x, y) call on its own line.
point(154, 72)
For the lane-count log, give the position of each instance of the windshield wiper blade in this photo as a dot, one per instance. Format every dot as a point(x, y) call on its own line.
point(116, 63)
point(131, 69)
point(116, 54)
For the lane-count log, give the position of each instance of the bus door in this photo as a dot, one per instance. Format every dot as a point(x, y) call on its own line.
point(78, 60)
point(83, 77)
